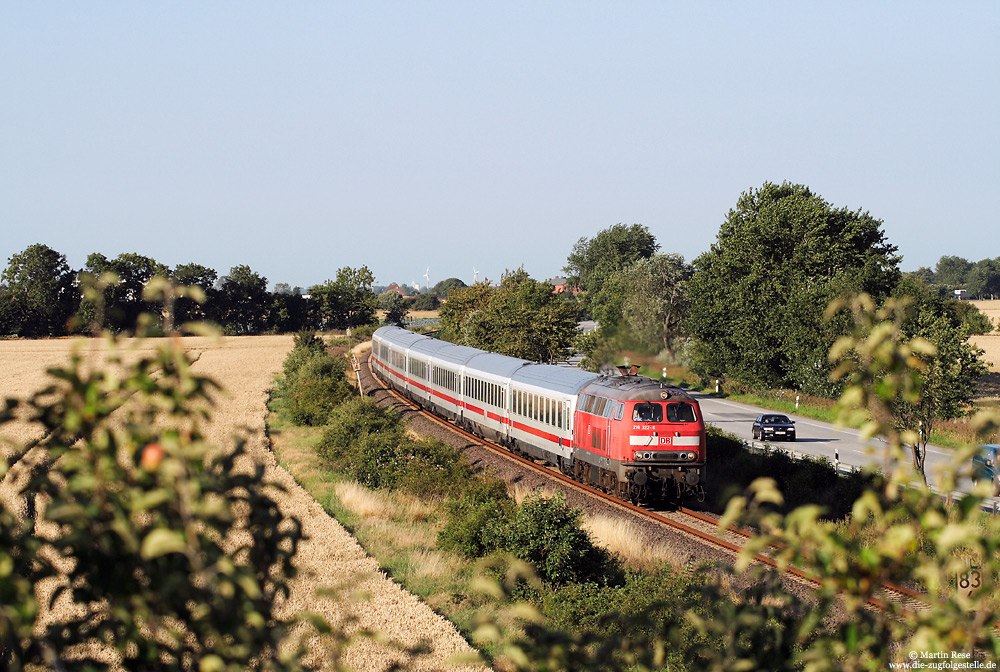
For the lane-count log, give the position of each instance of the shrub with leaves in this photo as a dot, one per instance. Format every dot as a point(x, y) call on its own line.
point(548, 533)
point(317, 385)
point(353, 419)
point(475, 517)
point(305, 344)
point(164, 553)
point(544, 531)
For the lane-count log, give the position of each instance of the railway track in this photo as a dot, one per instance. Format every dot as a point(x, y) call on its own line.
point(686, 522)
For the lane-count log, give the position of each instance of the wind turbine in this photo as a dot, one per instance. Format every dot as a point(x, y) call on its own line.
point(427, 278)
point(475, 275)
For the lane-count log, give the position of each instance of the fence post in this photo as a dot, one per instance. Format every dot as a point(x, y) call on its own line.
point(356, 365)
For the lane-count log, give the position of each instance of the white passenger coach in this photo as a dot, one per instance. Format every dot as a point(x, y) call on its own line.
point(524, 405)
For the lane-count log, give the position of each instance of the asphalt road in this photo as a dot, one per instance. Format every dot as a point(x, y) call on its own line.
point(813, 437)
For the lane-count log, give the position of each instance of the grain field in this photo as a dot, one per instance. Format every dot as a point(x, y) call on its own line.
point(245, 367)
point(990, 309)
point(990, 343)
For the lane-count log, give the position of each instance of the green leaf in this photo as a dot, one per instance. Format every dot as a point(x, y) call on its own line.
point(162, 541)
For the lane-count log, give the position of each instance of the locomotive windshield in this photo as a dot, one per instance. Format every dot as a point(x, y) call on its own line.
point(680, 412)
point(647, 411)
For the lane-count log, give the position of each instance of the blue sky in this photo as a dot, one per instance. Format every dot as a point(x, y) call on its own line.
point(300, 137)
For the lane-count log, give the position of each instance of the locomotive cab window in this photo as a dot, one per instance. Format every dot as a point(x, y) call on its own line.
point(645, 411)
point(680, 412)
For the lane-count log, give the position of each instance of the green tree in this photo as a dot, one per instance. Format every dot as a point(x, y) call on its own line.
point(395, 309)
point(443, 288)
point(240, 302)
point(289, 312)
point(593, 263)
point(425, 302)
point(758, 295)
point(951, 271)
point(40, 292)
point(192, 275)
point(923, 274)
point(520, 318)
point(656, 297)
point(123, 300)
point(947, 379)
point(983, 279)
point(348, 301)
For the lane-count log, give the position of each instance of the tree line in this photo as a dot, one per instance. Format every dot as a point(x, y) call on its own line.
point(979, 279)
point(40, 295)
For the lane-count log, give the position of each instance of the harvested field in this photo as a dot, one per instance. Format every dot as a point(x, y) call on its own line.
point(990, 309)
point(990, 343)
point(245, 367)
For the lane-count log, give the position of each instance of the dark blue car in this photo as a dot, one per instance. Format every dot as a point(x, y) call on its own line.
point(773, 427)
point(984, 465)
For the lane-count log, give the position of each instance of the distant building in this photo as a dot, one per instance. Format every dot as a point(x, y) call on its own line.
point(394, 287)
point(961, 294)
point(561, 285)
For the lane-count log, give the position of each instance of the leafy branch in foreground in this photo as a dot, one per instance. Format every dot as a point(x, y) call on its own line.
point(149, 547)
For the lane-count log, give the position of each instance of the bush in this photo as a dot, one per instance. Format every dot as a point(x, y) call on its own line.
point(349, 421)
point(644, 604)
point(546, 532)
point(377, 460)
point(363, 332)
point(476, 517)
point(317, 386)
point(436, 469)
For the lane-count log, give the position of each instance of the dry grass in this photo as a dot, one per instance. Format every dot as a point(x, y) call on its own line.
point(363, 502)
point(245, 367)
point(623, 536)
point(520, 492)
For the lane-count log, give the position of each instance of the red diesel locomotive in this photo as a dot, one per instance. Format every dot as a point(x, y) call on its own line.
point(628, 435)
